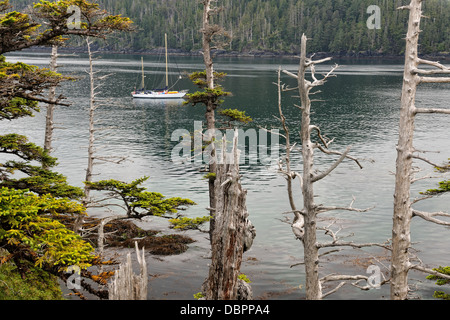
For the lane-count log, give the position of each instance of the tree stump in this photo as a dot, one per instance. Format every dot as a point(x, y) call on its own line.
point(128, 286)
point(233, 232)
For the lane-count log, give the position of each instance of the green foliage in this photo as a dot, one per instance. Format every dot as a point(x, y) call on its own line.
point(42, 181)
point(199, 78)
point(27, 229)
point(19, 83)
point(26, 226)
point(210, 176)
point(235, 115)
point(199, 295)
point(18, 107)
point(96, 19)
point(444, 186)
point(441, 295)
point(212, 96)
point(20, 146)
point(444, 168)
point(185, 223)
point(139, 202)
point(244, 278)
point(440, 281)
point(47, 23)
point(17, 21)
point(38, 284)
point(39, 178)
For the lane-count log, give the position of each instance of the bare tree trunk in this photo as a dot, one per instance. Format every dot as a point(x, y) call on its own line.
point(206, 43)
point(80, 220)
point(51, 107)
point(210, 108)
point(403, 211)
point(233, 233)
point(401, 238)
point(128, 286)
point(304, 225)
point(92, 108)
point(313, 290)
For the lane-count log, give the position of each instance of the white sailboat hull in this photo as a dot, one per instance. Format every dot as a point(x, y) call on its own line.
point(159, 95)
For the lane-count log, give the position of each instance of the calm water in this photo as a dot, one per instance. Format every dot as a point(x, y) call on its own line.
point(360, 108)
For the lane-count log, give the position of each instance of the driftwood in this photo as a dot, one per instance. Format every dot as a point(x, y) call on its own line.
point(128, 286)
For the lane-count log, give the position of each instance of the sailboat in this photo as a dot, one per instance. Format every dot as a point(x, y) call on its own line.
point(165, 93)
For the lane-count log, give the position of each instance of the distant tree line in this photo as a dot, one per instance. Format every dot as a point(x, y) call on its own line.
point(334, 26)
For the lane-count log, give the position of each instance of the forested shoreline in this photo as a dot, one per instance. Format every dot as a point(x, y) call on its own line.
point(362, 55)
point(274, 27)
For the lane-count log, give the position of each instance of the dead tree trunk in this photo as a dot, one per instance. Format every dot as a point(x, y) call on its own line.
point(92, 107)
point(49, 125)
point(401, 238)
point(233, 233)
point(95, 82)
point(403, 212)
point(311, 252)
point(128, 286)
point(304, 225)
point(208, 32)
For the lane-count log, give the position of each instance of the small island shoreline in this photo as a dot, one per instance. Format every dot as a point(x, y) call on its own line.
point(361, 55)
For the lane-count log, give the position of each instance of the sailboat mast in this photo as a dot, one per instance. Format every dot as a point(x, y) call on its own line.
point(143, 76)
point(167, 70)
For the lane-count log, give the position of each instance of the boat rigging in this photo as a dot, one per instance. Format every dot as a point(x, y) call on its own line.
point(165, 93)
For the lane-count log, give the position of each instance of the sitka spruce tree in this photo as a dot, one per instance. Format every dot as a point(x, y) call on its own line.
point(37, 178)
point(137, 201)
point(230, 230)
point(30, 234)
point(212, 93)
point(29, 230)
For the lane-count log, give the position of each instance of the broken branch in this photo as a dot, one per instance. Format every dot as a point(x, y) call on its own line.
point(432, 110)
point(430, 216)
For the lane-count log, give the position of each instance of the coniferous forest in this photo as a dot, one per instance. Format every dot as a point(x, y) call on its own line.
point(334, 26)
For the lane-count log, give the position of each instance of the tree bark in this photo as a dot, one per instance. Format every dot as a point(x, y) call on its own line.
point(210, 108)
point(401, 238)
point(233, 233)
point(51, 107)
point(311, 252)
point(92, 108)
point(403, 211)
point(305, 221)
point(128, 286)
point(206, 43)
point(79, 220)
